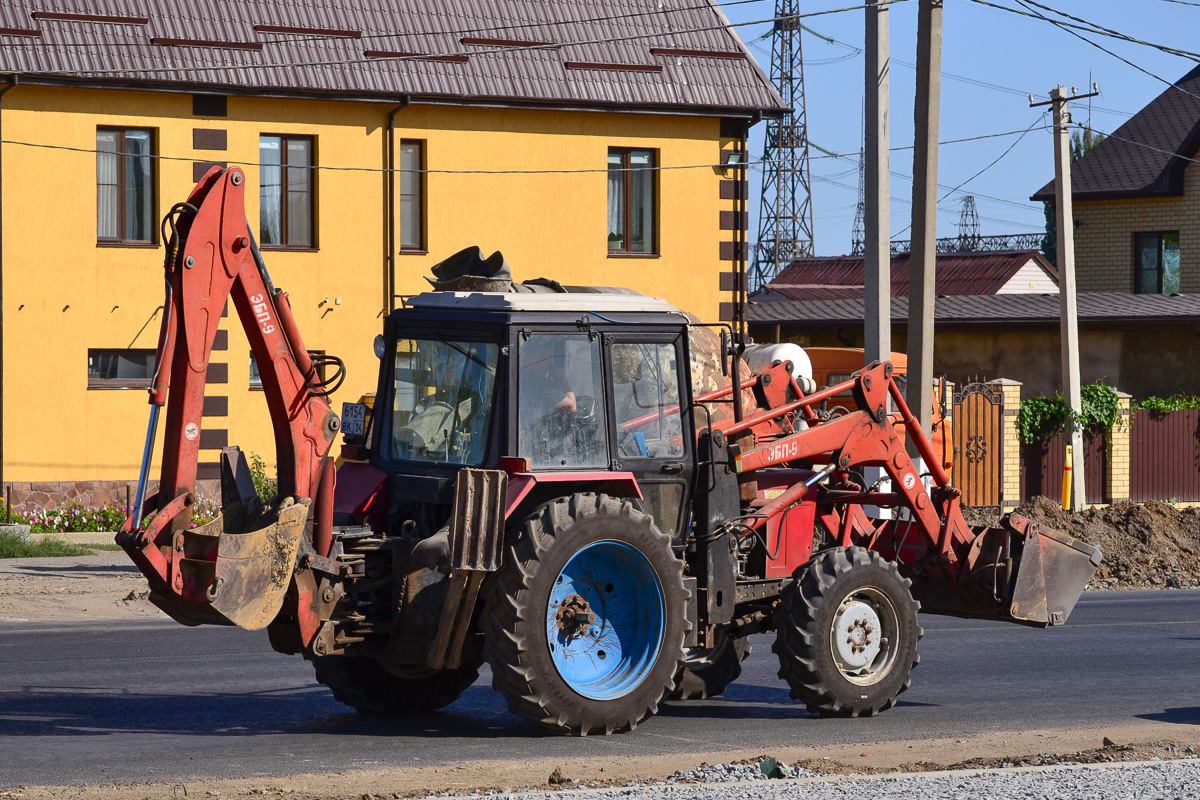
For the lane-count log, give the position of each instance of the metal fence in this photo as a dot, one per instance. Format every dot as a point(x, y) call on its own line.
point(1164, 455)
point(1042, 467)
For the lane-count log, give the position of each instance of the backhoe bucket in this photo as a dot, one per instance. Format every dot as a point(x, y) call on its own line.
point(1053, 572)
point(237, 568)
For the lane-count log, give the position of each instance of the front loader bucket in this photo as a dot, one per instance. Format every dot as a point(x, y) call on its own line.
point(1054, 570)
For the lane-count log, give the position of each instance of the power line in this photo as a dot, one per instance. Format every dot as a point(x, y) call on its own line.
point(1067, 27)
point(475, 53)
point(994, 162)
point(1001, 200)
point(1141, 144)
point(1098, 28)
point(757, 164)
point(961, 78)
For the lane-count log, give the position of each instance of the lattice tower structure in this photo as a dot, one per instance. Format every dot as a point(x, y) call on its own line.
point(785, 226)
point(968, 225)
point(858, 233)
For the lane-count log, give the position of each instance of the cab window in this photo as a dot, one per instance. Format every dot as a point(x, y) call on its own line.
point(560, 401)
point(646, 396)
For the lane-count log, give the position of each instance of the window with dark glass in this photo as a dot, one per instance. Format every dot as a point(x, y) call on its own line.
point(560, 402)
point(120, 369)
point(1156, 263)
point(412, 195)
point(256, 375)
point(287, 192)
point(631, 201)
point(124, 185)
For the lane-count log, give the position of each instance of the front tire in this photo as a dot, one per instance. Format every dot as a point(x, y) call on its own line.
point(847, 633)
point(371, 688)
point(585, 617)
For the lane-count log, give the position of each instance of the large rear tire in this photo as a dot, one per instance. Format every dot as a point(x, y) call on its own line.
point(708, 673)
point(847, 633)
point(585, 617)
point(371, 688)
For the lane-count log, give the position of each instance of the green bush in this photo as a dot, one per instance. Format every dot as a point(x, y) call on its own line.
point(1042, 418)
point(1176, 402)
point(266, 485)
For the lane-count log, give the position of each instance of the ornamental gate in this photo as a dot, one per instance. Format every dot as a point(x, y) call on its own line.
point(979, 443)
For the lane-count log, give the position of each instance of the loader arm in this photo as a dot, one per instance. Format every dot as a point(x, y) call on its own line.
point(1018, 572)
point(237, 568)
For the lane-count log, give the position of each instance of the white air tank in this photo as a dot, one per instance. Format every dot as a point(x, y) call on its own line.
point(759, 357)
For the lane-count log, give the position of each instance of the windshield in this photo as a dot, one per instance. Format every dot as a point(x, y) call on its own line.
point(442, 401)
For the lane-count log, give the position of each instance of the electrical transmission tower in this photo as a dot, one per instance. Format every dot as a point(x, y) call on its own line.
point(968, 225)
point(785, 213)
point(858, 234)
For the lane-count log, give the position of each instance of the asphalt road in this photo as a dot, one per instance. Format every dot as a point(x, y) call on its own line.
point(129, 701)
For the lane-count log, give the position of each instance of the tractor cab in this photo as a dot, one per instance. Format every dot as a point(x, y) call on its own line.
point(568, 386)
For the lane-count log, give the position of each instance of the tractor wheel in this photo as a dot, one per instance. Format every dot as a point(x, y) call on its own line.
point(585, 617)
point(847, 633)
point(373, 688)
point(708, 673)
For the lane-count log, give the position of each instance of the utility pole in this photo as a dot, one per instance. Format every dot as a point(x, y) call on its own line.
point(877, 235)
point(924, 213)
point(1068, 313)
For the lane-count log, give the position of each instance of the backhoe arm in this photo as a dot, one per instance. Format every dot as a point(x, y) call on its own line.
point(237, 568)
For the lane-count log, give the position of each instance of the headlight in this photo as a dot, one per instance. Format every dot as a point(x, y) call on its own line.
point(379, 346)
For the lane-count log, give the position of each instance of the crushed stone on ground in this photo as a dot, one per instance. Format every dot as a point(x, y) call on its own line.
point(1169, 780)
point(1148, 545)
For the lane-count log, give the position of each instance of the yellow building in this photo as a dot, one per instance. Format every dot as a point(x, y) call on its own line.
point(379, 144)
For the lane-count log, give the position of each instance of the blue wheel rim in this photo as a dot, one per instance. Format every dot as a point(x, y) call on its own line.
point(614, 585)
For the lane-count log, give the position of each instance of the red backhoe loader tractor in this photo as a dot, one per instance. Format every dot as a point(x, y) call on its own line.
point(541, 485)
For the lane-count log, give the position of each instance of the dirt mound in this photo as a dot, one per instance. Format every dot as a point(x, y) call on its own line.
point(1145, 545)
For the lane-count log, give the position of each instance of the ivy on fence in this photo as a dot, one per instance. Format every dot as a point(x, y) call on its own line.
point(1042, 418)
point(1162, 405)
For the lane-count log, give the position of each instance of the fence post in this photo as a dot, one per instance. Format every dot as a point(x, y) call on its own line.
point(1117, 476)
point(1010, 453)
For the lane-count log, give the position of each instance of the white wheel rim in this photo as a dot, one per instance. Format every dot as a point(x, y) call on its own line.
point(865, 636)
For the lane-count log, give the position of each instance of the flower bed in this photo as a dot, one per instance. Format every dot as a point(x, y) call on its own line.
point(76, 518)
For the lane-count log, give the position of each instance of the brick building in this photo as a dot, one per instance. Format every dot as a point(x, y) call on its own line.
point(1137, 200)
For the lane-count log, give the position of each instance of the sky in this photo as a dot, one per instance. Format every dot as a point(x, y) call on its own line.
point(992, 60)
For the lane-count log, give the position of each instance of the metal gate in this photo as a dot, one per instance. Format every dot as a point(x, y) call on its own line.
point(979, 443)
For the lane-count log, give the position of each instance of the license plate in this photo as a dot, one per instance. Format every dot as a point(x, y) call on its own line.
point(354, 419)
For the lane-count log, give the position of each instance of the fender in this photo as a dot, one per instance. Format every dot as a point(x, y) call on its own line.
point(521, 486)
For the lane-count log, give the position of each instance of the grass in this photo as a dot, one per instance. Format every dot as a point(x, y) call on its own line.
point(12, 546)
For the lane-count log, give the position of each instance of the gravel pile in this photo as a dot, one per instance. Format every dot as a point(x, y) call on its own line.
point(1171, 780)
point(759, 770)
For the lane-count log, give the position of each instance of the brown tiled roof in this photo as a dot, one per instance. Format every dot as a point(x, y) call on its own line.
point(1097, 310)
point(375, 49)
point(957, 273)
point(1142, 157)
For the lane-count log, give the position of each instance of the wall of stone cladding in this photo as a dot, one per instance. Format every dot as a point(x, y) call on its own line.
point(52, 494)
point(1104, 232)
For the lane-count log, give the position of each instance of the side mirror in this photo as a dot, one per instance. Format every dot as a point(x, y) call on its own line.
point(726, 352)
